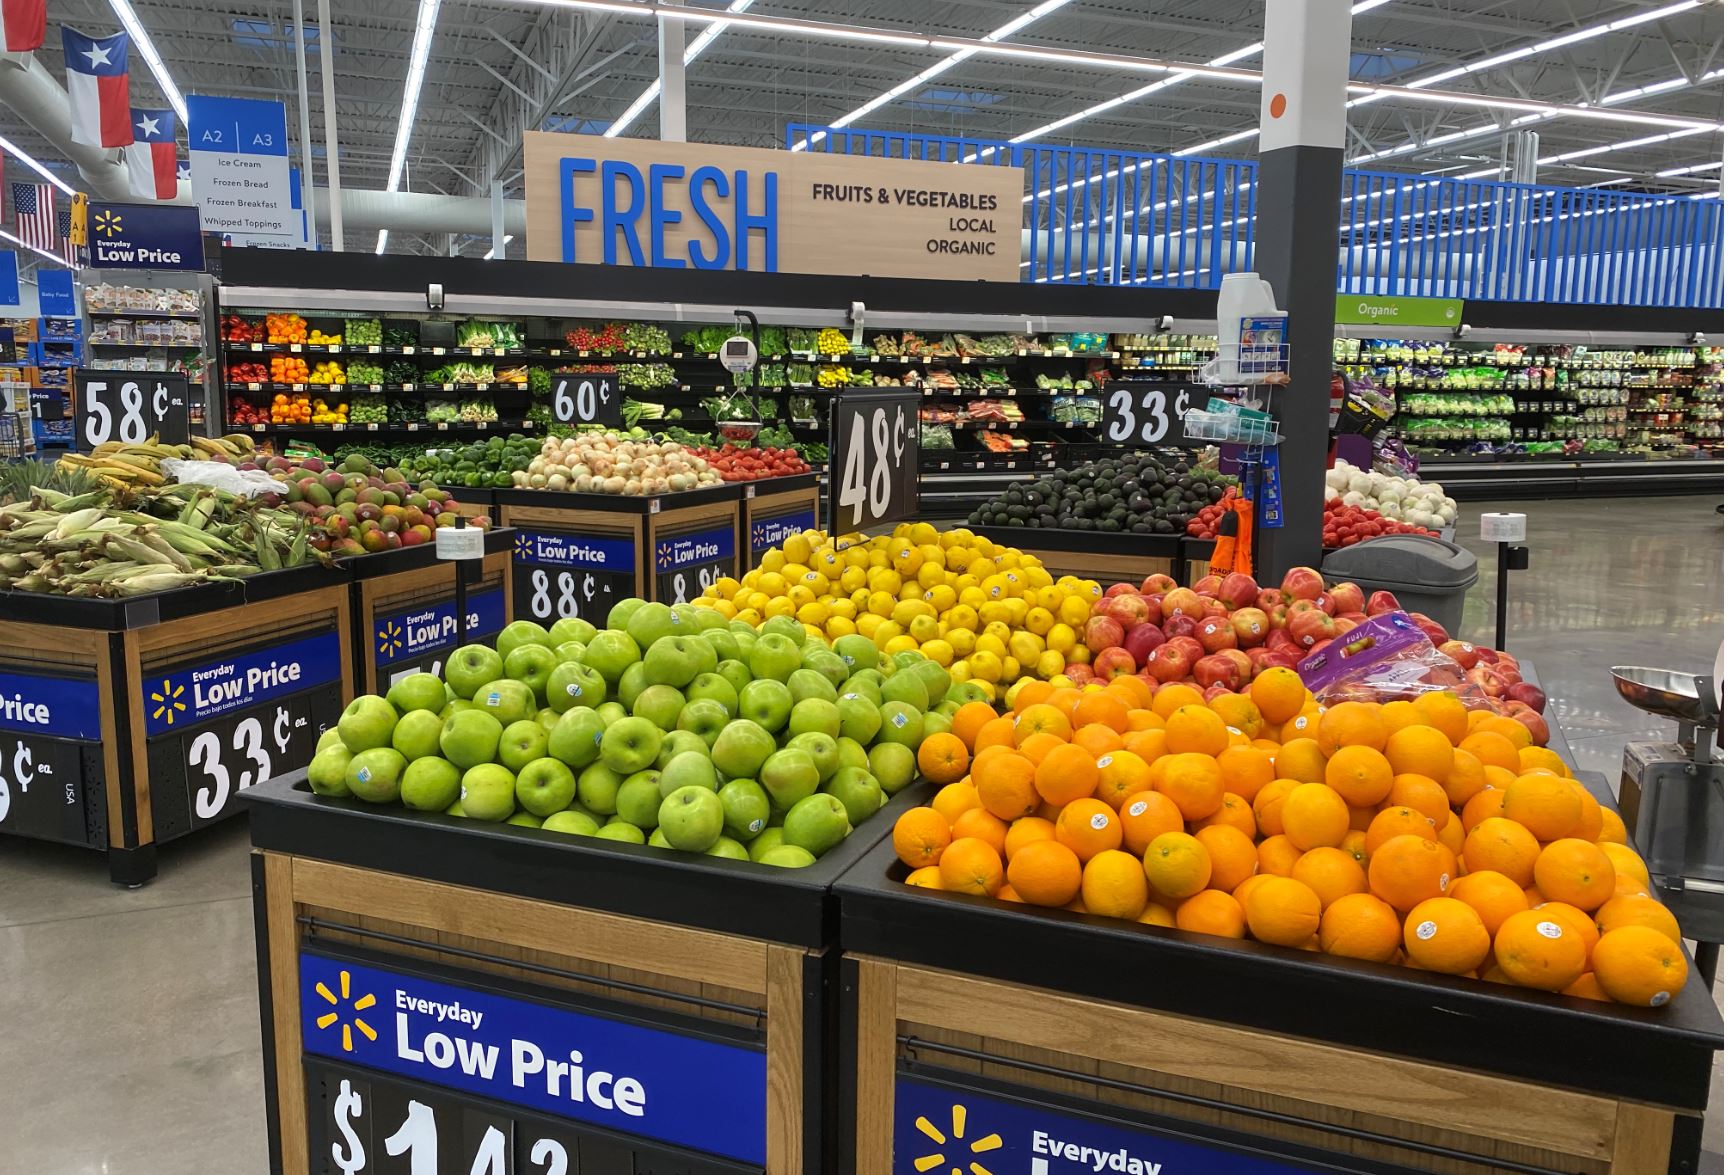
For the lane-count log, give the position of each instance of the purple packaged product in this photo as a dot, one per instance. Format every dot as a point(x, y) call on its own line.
point(1388, 657)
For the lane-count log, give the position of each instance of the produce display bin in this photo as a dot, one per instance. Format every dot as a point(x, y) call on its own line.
point(1109, 557)
point(579, 554)
point(1429, 575)
point(405, 611)
point(774, 509)
point(128, 723)
point(969, 1026)
point(709, 982)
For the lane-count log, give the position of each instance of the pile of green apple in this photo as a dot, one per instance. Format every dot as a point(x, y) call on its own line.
point(671, 726)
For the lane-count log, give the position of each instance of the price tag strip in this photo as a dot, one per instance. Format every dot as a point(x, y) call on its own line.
point(686, 565)
point(51, 771)
point(416, 640)
point(560, 574)
point(128, 406)
point(587, 399)
point(874, 450)
point(1145, 414)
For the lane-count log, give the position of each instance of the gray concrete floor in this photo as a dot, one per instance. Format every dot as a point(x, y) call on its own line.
point(130, 1043)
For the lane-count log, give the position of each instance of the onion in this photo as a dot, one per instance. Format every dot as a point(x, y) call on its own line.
point(556, 482)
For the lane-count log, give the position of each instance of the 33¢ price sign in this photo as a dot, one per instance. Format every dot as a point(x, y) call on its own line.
point(128, 406)
point(1147, 414)
point(873, 459)
point(586, 399)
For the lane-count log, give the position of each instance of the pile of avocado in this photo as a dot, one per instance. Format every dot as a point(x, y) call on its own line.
point(1135, 494)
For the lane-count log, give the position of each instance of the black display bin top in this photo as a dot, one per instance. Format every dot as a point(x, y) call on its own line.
point(620, 503)
point(159, 607)
point(791, 906)
point(1656, 1055)
point(499, 538)
point(763, 487)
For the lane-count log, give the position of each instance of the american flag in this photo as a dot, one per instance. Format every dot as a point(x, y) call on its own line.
point(36, 221)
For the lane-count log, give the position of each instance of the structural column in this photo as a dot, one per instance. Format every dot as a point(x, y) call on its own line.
point(1297, 249)
point(671, 79)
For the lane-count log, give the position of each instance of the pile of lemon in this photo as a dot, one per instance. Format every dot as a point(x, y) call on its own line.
point(989, 614)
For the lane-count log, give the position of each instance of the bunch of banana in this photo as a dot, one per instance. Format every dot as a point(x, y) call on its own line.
point(233, 448)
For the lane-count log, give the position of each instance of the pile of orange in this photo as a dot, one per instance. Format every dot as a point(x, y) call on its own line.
point(1414, 832)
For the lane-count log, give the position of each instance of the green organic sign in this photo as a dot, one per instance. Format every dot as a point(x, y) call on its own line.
point(1381, 310)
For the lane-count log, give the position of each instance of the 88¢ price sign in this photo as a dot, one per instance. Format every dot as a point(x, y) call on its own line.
point(873, 459)
point(130, 406)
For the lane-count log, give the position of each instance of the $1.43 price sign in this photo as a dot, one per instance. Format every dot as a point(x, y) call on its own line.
point(586, 399)
point(1146, 414)
point(873, 459)
point(128, 406)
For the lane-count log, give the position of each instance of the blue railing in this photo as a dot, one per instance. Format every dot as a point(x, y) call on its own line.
point(1148, 219)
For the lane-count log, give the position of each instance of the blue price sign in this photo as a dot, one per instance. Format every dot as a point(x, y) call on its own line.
point(559, 574)
point(414, 636)
point(777, 529)
point(186, 696)
point(145, 236)
point(686, 565)
point(64, 707)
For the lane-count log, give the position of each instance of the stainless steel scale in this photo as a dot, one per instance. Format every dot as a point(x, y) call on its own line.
point(1672, 799)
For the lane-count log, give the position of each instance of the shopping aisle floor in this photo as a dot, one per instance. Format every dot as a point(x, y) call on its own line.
point(130, 1035)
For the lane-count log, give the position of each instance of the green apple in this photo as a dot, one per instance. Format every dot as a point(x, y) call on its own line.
point(327, 774)
point(678, 660)
point(721, 640)
point(707, 619)
point(470, 738)
point(611, 712)
point(628, 833)
point(692, 819)
point(902, 724)
point(532, 665)
point(741, 749)
point(545, 786)
point(620, 613)
point(863, 680)
point(774, 656)
point(740, 627)
point(705, 717)
point(729, 848)
point(962, 692)
point(524, 820)
point(852, 753)
point(455, 809)
point(575, 741)
point(417, 691)
point(657, 839)
point(571, 822)
point(907, 686)
point(808, 683)
point(609, 653)
point(766, 841)
point(860, 719)
point(785, 626)
point(471, 667)
point(677, 742)
point(416, 734)
point(858, 791)
point(597, 789)
point(631, 683)
point(488, 792)
point(894, 765)
point(520, 744)
point(715, 688)
point(735, 672)
point(858, 652)
point(570, 651)
point(518, 633)
point(639, 799)
point(431, 785)
point(816, 824)
point(766, 702)
point(547, 717)
point(825, 662)
point(937, 722)
point(814, 714)
point(745, 636)
point(822, 749)
point(789, 775)
point(630, 744)
point(660, 704)
point(570, 628)
point(787, 857)
point(649, 623)
point(330, 738)
point(454, 706)
point(746, 806)
point(907, 658)
point(688, 769)
point(506, 699)
point(376, 775)
point(367, 722)
point(936, 679)
point(573, 684)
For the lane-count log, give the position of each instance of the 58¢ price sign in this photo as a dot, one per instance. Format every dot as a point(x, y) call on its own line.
point(873, 459)
point(128, 406)
point(1145, 414)
point(586, 399)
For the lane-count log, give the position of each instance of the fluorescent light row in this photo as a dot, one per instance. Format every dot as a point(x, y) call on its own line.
point(488, 255)
point(1588, 152)
point(147, 48)
point(692, 51)
point(1714, 165)
point(424, 22)
point(39, 252)
point(34, 164)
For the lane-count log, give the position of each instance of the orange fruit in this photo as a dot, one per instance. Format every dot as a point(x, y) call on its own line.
point(1067, 773)
point(1576, 872)
point(1036, 746)
point(1004, 783)
point(1030, 693)
point(1137, 694)
point(1114, 885)
point(1626, 862)
point(1097, 739)
point(1045, 873)
point(1590, 826)
point(1545, 804)
point(1196, 729)
point(1446, 935)
point(981, 825)
point(1542, 758)
point(1491, 749)
point(1421, 793)
point(1172, 696)
point(1157, 915)
point(1313, 815)
point(1420, 750)
point(1121, 775)
point(1331, 873)
point(1486, 803)
point(1064, 698)
point(1282, 911)
point(942, 758)
point(930, 877)
point(1639, 965)
point(1193, 782)
point(1025, 831)
point(1360, 926)
point(1395, 716)
point(1502, 846)
point(1464, 778)
point(1232, 854)
point(1212, 911)
point(1356, 843)
point(1177, 865)
point(1278, 856)
point(1301, 760)
point(1042, 718)
point(1089, 827)
point(969, 865)
point(1269, 806)
point(1360, 774)
point(1279, 694)
point(1635, 911)
point(1391, 822)
point(1239, 714)
point(1361, 818)
point(969, 720)
point(1573, 918)
point(1148, 744)
point(1625, 886)
point(1534, 950)
point(1614, 828)
point(1497, 777)
point(1145, 816)
point(1586, 987)
point(920, 836)
point(1452, 833)
point(1511, 729)
point(954, 799)
point(1244, 771)
point(1445, 712)
point(1351, 724)
point(1408, 870)
point(1102, 707)
point(1007, 894)
point(1234, 812)
point(998, 732)
point(1147, 719)
point(1494, 896)
point(1307, 724)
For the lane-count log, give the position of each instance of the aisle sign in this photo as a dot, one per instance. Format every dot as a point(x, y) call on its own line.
point(145, 236)
point(587, 399)
point(558, 574)
point(1137, 413)
point(54, 296)
point(9, 292)
point(1385, 310)
point(775, 529)
point(687, 565)
point(873, 459)
point(411, 640)
point(240, 179)
point(685, 1090)
point(129, 406)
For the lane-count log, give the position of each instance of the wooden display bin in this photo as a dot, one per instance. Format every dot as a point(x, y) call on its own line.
point(708, 981)
point(135, 722)
point(774, 509)
point(579, 554)
point(976, 1031)
point(1098, 555)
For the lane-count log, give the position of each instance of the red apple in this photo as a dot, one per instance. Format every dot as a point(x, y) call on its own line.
point(1245, 667)
point(1303, 583)
point(1216, 633)
point(1436, 634)
point(1175, 626)
point(1297, 607)
point(1141, 640)
point(1216, 691)
point(1532, 696)
point(1534, 723)
point(1464, 652)
point(1321, 646)
point(1380, 602)
point(1117, 589)
point(1190, 648)
point(1252, 626)
point(1327, 604)
point(1238, 590)
point(1347, 597)
point(1114, 662)
point(1155, 612)
point(1216, 607)
point(1169, 663)
point(1263, 658)
point(1356, 617)
point(1208, 585)
point(1157, 584)
point(1279, 616)
point(1488, 681)
point(1100, 633)
point(1127, 609)
point(1183, 602)
point(1269, 598)
point(1281, 639)
point(1312, 627)
point(1101, 607)
point(1215, 671)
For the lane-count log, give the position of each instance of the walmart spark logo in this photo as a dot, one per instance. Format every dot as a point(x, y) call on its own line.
point(663, 556)
point(389, 639)
point(957, 1136)
point(353, 1019)
point(524, 547)
point(168, 702)
point(108, 223)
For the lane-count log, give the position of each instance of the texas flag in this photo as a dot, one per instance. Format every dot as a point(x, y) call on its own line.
point(97, 89)
point(24, 22)
point(150, 159)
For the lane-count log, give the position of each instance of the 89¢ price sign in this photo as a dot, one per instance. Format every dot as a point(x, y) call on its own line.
point(1145, 414)
point(128, 406)
point(873, 459)
point(586, 399)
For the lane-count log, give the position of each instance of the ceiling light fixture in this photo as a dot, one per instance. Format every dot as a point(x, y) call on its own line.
point(39, 252)
point(692, 51)
point(424, 22)
point(488, 255)
point(34, 164)
point(141, 38)
point(1714, 165)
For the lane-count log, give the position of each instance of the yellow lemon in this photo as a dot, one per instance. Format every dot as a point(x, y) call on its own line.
point(844, 608)
point(826, 561)
point(981, 568)
point(1010, 671)
point(726, 586)
point(990, 642)
point(960, 671)
point(853, 578)
point(812, 613)
point(931, 553)
point(861, 598)
point(800, 595)
point(726, 608)
point(859, 557)
point(882, 579)
point(986, 664)
point(882, 603)
point(1091, 589)
point(961, 638)
point(868, 623)
point(930, 574)
point(1050, 598)
point(837, 627)
point(773, 559)
point(942, 597)
point(964, 616)
point(907, 609)
point(1077, 655)
point(906, 559)
point(886, 632)
point(1037, 577)
point(1050, 663)
point(1074, 609)
point(773, 583)
point(924, 628)
point(999, 630)
point(939, 651)
point(922, 532)
point(901, 644)
point(910, 590)
point(971, 595)
point(1039, 620)
point(994, 612)
point(996, 586)
point(1018, 609)
point(750, 616)
point(779, 606)
point(957, 558)
point(1061, 638)
point(796, 548)
point(1025, 647)
point(816, 581)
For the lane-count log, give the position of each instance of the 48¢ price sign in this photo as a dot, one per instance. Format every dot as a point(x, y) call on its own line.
point(873, 459)
point(130, 406)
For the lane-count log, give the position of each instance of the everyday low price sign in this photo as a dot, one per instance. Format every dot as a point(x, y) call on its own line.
point(560, 575)
point(64, 707)
point(183, 697)
point(775, 530)
point(145, 236)
point(419, 632)
point(687, 565)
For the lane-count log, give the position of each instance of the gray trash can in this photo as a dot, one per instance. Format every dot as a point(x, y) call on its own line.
point(1428, 575)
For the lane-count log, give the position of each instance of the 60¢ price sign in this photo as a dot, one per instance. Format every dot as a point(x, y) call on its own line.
point(586, 399)
point(1145, 414)
point(129, 406)
point(873, 459)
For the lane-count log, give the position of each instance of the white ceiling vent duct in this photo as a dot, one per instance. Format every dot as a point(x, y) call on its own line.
point(32, 93)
